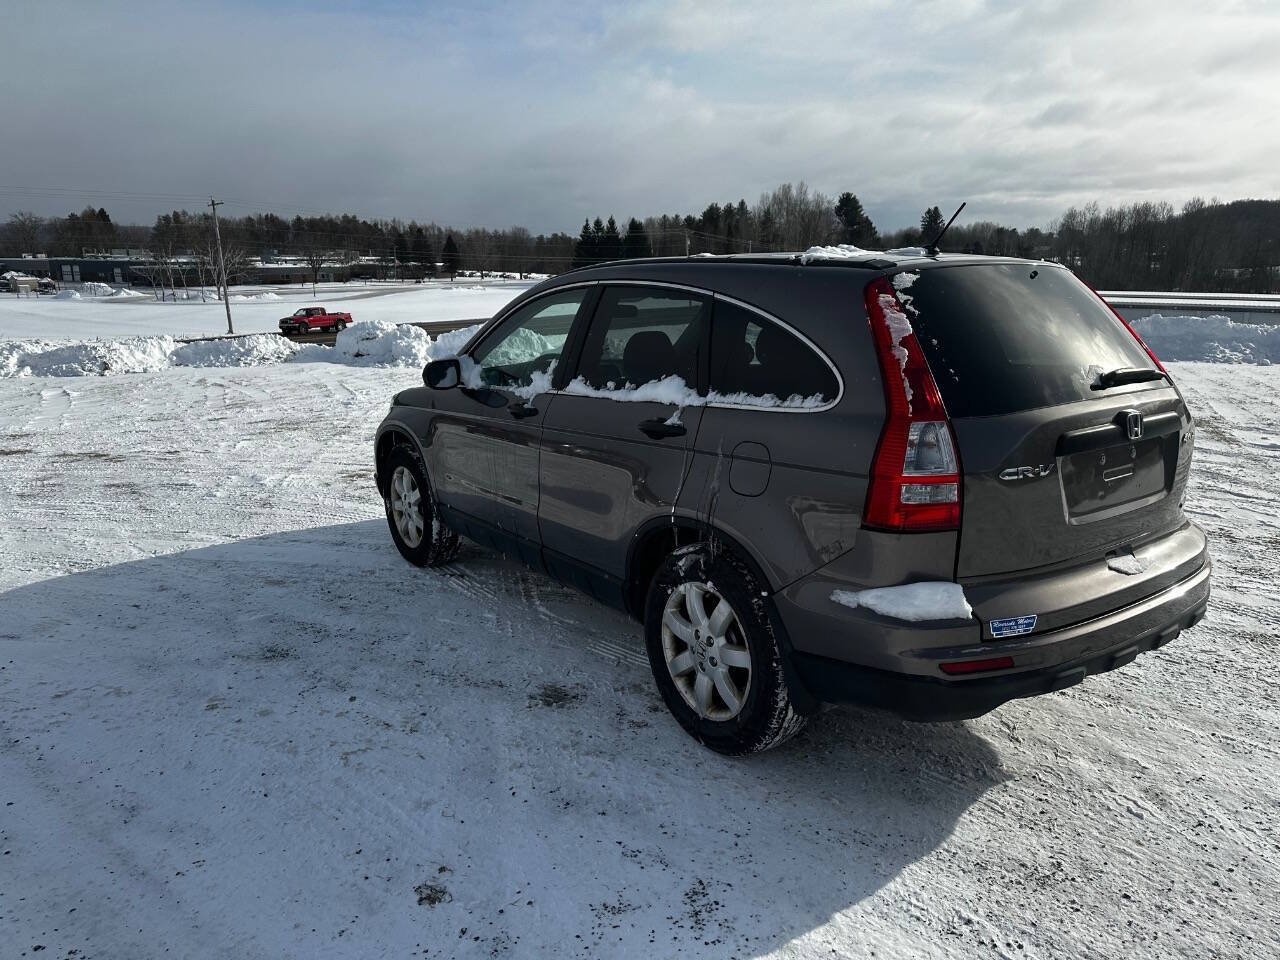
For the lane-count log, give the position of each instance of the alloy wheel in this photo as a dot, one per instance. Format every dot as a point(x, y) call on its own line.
point(706, 651)
point(406, 506)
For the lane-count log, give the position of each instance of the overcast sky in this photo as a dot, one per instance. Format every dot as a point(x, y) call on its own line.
point(539, 114)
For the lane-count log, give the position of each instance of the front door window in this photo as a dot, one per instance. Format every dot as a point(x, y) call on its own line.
point(525, 348)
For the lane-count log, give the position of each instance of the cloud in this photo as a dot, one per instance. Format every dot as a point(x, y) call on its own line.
point(500, 113)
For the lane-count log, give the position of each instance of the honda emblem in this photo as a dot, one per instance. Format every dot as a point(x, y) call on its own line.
point(1134, 423)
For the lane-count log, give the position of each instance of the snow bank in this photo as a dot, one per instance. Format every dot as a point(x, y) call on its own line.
point(42, 358)
point(265, 296)
point(126, 292)
point(66, 295)
point(252, 351)
point(1215, 339)
point(381, 343)
point(377, 344)
point(928, 600)
point(94, 289)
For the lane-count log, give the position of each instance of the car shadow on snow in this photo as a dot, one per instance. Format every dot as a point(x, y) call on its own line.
point(477, 732)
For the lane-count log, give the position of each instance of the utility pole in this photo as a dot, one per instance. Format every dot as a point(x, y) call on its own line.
point(222, 263)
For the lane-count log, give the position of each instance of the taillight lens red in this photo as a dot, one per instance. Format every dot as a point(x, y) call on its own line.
point(915, 477)
point(1132, 332)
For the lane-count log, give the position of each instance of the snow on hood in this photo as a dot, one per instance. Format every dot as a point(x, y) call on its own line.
point(928, 600)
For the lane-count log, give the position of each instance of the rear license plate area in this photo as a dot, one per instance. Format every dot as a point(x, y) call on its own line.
point(1110, 480)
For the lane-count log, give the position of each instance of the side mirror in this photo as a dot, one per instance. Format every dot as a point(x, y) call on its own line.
point(442, 374)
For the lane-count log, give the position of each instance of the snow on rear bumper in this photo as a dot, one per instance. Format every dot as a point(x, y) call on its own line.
point(1043, 663)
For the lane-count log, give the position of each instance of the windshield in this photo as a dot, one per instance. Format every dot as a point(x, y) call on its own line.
point(1002, 337)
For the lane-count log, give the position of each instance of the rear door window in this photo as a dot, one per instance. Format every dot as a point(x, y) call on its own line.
point(757, 362)
point(1013, 336)
point(643, 334)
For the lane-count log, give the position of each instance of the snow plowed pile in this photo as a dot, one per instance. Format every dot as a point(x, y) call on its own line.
point(370, 344)
point(1214, 339)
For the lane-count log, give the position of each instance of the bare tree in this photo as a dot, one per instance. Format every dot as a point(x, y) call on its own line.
point(24, 231)
point(315, 258)
point(235, 262)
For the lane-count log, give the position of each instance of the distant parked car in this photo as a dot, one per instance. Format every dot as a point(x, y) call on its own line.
point(312, 319)
point(929, 484)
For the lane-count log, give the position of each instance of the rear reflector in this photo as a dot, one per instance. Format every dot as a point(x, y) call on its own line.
point(915, 476)
point(977, 666)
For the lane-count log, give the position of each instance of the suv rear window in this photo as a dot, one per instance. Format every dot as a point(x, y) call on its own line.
point(1013, 336)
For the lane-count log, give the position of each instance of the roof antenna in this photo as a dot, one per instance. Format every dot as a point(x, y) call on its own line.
point(931, 249)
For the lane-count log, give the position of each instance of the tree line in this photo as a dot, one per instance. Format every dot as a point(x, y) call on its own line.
point(1205, 245)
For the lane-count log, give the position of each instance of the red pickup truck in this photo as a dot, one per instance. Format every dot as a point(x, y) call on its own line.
point(310, 319)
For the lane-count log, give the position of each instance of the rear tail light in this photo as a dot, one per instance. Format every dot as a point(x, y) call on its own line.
point(915, 477)
point(1132, 332)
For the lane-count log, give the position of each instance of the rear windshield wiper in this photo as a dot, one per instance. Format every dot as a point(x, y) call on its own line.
point(1122, 375)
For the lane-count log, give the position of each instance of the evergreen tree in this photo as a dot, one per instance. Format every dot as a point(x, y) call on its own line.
point(584, 248)
point(610, 241)
point(931, 222)
point(636, 243)
point(855, 226)
point(452, 259)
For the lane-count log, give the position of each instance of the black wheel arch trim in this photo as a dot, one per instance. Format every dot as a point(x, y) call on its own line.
point(398, 427)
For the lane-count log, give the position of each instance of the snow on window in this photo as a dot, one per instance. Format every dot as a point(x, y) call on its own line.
point(927, 600)
point(520, 346)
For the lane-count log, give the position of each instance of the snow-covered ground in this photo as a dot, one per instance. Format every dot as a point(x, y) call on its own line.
point(258, 310)
point(234, 723)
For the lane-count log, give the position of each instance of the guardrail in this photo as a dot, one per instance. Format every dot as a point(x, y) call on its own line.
point(1243, 307)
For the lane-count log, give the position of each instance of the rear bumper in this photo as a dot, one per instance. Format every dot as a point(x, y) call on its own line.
point(1043, 663)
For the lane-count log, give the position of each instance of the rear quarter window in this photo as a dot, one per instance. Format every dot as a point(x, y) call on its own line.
point(759, 363)
point(1013, 336)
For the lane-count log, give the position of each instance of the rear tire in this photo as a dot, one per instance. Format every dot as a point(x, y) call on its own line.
point(719, 668)
point(412, 515)
point(339, 326)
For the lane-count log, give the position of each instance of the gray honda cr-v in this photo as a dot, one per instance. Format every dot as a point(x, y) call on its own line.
point(929, 484)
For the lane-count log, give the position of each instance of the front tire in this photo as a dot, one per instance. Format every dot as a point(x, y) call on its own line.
point(303, 330)
point(412, 516)
point(714, 654)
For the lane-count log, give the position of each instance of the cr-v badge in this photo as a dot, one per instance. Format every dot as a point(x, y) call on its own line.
point(1027, 473)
